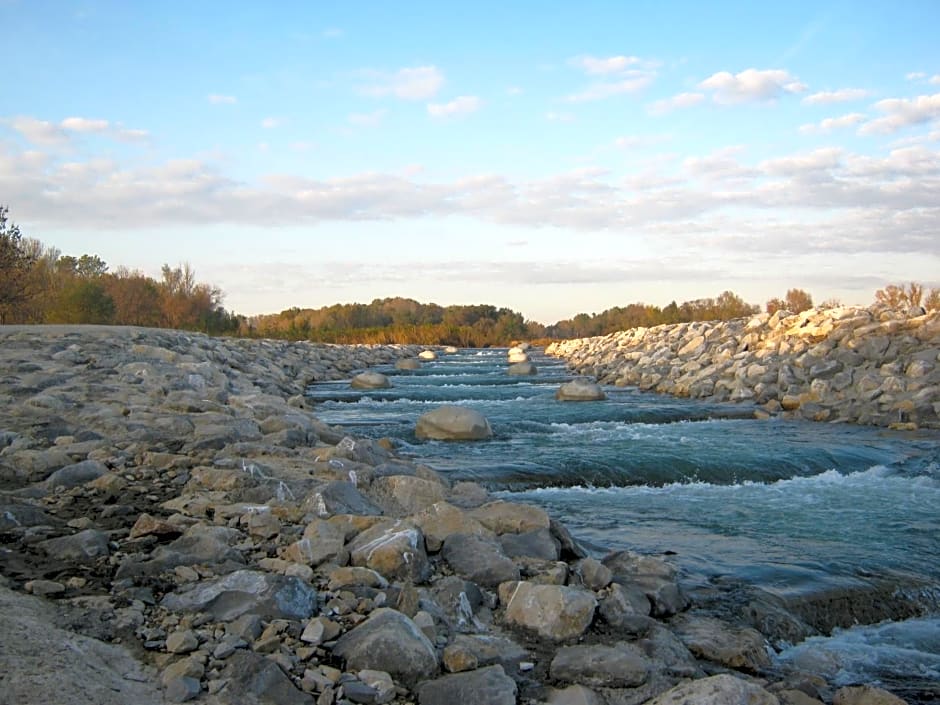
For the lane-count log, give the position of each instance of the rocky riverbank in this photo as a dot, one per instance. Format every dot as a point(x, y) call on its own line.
point(864, 365)
point(190, 531)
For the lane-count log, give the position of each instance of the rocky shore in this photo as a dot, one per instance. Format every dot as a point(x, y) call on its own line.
point(177, 525)
point(864, 365)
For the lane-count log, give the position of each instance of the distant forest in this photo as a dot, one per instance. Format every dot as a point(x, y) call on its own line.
point(39, 284)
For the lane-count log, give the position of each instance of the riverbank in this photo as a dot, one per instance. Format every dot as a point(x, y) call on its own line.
point(177, 509)
point(849, 364)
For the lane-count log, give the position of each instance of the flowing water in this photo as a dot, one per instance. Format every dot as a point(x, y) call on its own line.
point(793, 508)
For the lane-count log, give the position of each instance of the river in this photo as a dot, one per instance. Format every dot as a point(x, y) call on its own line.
point(792, 508)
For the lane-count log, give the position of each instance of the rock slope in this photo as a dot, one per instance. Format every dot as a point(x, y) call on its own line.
point(864, 365)
point(190, 531)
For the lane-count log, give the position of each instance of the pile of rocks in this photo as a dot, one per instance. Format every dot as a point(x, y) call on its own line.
point(189, 530)
point(866, 365)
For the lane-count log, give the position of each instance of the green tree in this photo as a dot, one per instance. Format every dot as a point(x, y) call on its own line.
point(82, 301)
point(15, 265)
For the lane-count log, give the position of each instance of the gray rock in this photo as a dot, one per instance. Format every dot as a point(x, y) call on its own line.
point(403, 495)
point(538, 543)
point(622, 605)
point(594, 574)
point(370, 380)
point(76, 474)
point(340, 497)
point(656, 577)
point(580, 390)
point(453, 423)
point(247, 591)
point(523, 369)
point(723, 689)
point(573, 695)
point(741, 648)
point(553, 612)
point(484, 686)
point(621, 665)
point(256, 680)
point(479, 558)
point(388, 641)
point(395, 551)
point(84, 545)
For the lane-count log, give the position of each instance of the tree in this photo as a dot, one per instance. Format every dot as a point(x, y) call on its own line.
point(899, 296)
point(798, 301)
point(15, 265)
point(82, 301)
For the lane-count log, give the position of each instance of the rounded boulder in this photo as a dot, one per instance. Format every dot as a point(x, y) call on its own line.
point(408, 363)
point(370, 380)
point(580, 390)
point(427, 355)
point(522, 368)
point(453, 423)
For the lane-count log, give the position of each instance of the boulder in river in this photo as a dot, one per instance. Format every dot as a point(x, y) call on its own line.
point(522, 368)
point(580, 390)
point(427, 355)
point(453, 423)
point(408, 363)
point(515, 357)
point(370, 380)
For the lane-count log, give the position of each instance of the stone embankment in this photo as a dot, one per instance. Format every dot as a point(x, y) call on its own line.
point(189, 530)
point(864, 365)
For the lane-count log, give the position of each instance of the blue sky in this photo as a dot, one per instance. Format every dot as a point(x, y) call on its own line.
point(552, 159)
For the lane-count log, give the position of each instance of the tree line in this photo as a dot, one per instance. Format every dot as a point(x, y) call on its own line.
point(39, 284)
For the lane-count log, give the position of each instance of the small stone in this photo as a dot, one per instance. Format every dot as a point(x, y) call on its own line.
point(43, 588)
point(180, 690)
point(182, 642)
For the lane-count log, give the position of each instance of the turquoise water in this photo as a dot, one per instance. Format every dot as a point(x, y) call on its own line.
point(790, 507)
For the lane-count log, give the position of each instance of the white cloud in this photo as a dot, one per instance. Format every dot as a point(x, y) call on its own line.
point(915, 76)
point(633, 82)
point(40, 132)
point(559, 117)
point(681, 100)
point(127, 135)
point(79, 124)
point(934, 80)
point(217, 99)
point(461, 105)
point(602, 66)
point(269, 123)
point(840, 96)
point(332, 33)
point(751, 85)
point(414, 83)
point(636, 141)
point(901, 113)
point(372, 119)
point(514, 90)
point(830, 124)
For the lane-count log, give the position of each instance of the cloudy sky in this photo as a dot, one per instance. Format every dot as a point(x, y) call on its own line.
point(549, 157)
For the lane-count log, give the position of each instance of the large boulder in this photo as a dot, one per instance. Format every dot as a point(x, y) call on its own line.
point(517, 357)
point(391, 642)
point(484, 686)
point(553, 612)
point(723, 689)
point(394, 550)
point(741, 648)
point(370, 380)
point(655, 577)
point(580, 390)
point(247, 592)
point(522, 369)
point(453, 423)
point(621, 665)
point(427, 355)
point(408, 363)
point(480, 559)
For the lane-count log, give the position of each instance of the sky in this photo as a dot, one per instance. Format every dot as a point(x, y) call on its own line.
point(553, 158)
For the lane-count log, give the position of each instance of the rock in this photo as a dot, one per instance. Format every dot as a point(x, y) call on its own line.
point(723, 689)
point(479, 558)
point(594, 574)
point(717, 641)
point(865, 695)
point(82, 546)
point(517, 358)
point(522, 369)
point(580, 390)
point(553, 612)
point(370, 380)
point(147, 525)
point(510, 517)
point(441, 520)
point(484, 686)
point(623, 605)
point(246, 591)
point(396, 551)
point(408, 363)
point(44, 588)
point(256, 680)
point(402, 495)
point(381, 682)
point(453, 423)
point(321, 542)
point(340, 497)
point(538, 543)
point(76, 474)
point(620, 665)
point(391, 642)
point(344, 577)
point(654, 576)
point(427, 355)
point(573, 695)
point(182, 642)
point(42, 663)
